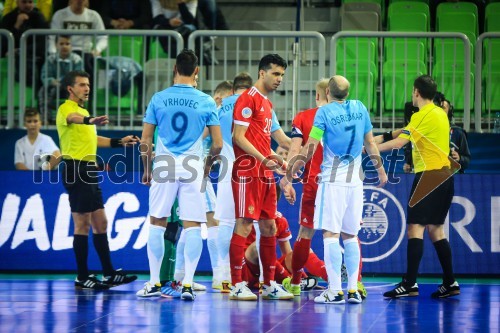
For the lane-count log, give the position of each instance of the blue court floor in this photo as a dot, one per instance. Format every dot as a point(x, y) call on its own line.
point(50, 304)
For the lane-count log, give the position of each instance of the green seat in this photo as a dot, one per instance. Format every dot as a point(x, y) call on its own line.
point(362, 77)
point(379, 2)
point(451, 49)
point(445, 9)
point(155, 50)
point(412, 1)
point(449, 76)
point(398, 79)
point(492, 17)
point(405, 48)
point(402, 10)
point(125, 46)
point(362, 48)
point(491, 82)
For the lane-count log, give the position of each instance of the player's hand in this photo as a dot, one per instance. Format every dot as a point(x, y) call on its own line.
point(290, 194)
point(455, 155)
point(382, 178)
point(146, 178)
point(99, 121)
point(130, 140)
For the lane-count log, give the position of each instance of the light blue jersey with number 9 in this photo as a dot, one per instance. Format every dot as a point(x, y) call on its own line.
point(344, 126)
point(180, 113)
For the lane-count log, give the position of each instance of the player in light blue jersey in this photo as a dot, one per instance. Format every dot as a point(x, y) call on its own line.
point(181, 113)
point(343, 126)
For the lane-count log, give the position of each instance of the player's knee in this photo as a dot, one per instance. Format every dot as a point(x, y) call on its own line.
point(306, 233)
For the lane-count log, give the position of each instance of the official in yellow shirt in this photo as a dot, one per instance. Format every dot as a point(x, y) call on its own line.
point(79, 141)
point(432, 190)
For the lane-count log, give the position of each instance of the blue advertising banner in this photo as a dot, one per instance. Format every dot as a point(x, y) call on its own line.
point(36, 227)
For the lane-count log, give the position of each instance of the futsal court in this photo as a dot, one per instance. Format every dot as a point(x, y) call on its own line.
point(49, 303)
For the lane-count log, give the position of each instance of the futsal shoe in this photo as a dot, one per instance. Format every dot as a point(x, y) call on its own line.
point(353, 296)
point(226, 287)
point(362, 290)
point(293, 289)
point(149, 290)
point(308, 283)
point(241, 292)
point(216, 286)
point(275, 291)
point(187, 293)
point(403, 289)
point(170, 290)
point(91, 282)
point(447, 291)
point(199, 287)
point(118, 278)
point(330, 297)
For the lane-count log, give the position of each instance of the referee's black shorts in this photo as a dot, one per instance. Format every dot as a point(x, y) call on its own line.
point(80, 178)
point(436, 202)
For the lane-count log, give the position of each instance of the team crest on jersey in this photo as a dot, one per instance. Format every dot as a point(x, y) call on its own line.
point(383, 219)
point(251, 209)
point(246, 112)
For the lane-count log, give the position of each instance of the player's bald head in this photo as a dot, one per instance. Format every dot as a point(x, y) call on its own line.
point(339, 87)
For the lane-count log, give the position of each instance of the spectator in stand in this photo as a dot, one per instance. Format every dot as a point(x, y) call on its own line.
point(18, 21)
point(35, 151)
point(44, 6)
point(53, 71)
point(177, 15)
point(213, 19)
point(126, 14)
point(78, 17)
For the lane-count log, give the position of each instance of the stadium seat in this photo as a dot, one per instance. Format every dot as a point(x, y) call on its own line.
point(449, 76)
point(360, 21)
point(492, 17)
point(361, 48)
point(362, 7)
point(4, 85)
point(446, 8)
point(405, 48)
point(408, 8)
point(491, 84)
point(403, 21)
point(155, 50)
point(381, 3)
point(398, 79)
point(362, 76)
point(125, 46)
point(445, 49)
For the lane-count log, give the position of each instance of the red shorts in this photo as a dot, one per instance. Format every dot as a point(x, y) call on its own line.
point(307, 201)
point(254, 198)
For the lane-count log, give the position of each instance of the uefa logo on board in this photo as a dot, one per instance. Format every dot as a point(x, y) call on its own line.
point(384, 224)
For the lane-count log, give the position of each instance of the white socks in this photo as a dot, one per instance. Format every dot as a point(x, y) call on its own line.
point(333, 262)
point(223, 242)
point(351, 259)
point(192, 253)
point(156, 250)
point(212, 234)
point(179, 257)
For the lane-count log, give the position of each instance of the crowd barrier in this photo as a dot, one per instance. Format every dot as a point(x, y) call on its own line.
point(36, 228)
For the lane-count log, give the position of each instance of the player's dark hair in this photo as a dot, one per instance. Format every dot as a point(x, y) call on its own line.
point(267, 60)
point(186, 62)
point(426, 86)
point(224, 86)
point(242, 81)
point(439, 100)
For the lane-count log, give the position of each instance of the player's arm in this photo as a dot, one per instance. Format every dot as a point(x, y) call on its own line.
point(373, 152)
point(21, 166)
point(146, 150)
point(389, 145)
point(206, 133)
point(216, 147)
point(285, 247)
point(77, 118)
point(305, 153)
point(242, 142)
point(104, 142)
point(55, 159)
point(281, 138)
point(387, 136)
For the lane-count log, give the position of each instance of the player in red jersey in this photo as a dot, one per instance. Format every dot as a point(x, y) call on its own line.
point(252, 179)
point(301, 127)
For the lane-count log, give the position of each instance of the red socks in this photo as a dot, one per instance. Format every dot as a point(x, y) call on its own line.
point(316, 266)
point(236, 257)
point(281, 272)
point(299, 258)
point(267, 257)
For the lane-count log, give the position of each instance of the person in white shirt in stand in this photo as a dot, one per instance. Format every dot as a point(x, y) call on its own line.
point(35, 151)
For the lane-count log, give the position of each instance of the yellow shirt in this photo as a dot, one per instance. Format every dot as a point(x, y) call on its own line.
point(78, 141)
point(429, 133)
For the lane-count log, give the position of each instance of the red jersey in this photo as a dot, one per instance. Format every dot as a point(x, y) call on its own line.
point(282, 230)
point(301, 127)
point(254, 110)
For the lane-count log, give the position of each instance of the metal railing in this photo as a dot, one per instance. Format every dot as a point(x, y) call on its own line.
point(385, 35)
point(7, 85)
point(487, 80)
point(242, 50)
point(122, 117)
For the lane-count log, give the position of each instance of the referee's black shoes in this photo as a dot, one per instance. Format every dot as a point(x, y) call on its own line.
point(91, 282)
point(447, 290)
point(402, 289)
point(118, 278)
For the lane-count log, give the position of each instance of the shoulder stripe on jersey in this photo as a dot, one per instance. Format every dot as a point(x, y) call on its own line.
point(242, 123)
point(252, 91)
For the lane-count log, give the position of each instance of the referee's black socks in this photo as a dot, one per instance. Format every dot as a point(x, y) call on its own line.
point(102, 247)
point(443, 251)
point(81, 249)
point(414, 254)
